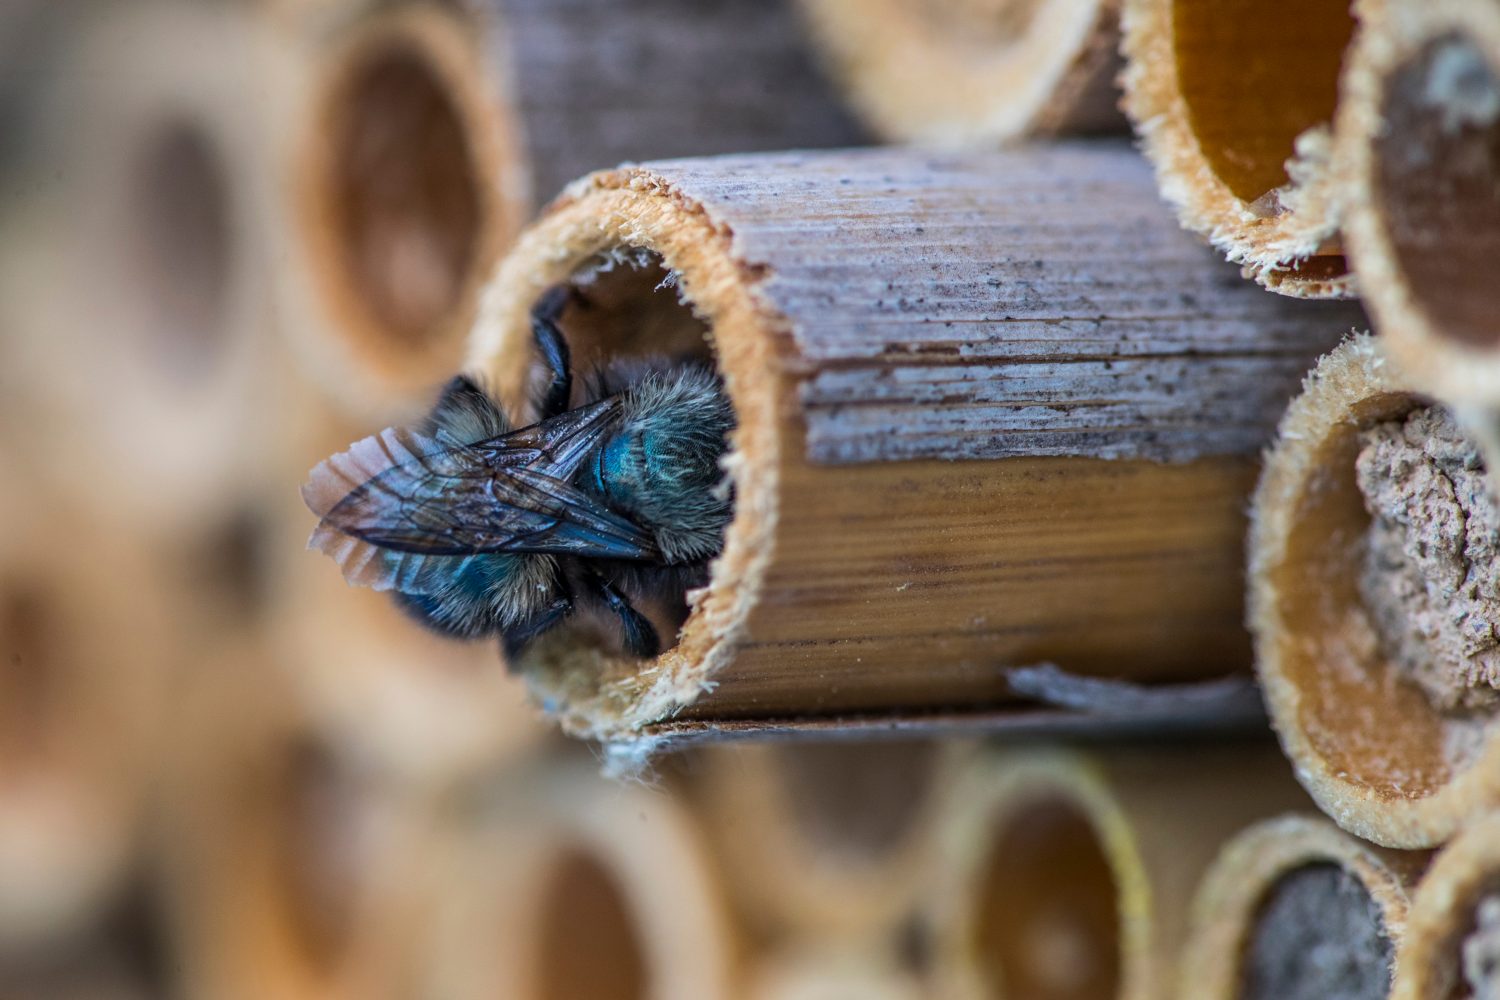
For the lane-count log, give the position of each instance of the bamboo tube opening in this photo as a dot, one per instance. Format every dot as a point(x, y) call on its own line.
point(1386, 710)
point(1451, 950)
point(587, 945)
point(1049, 917)
point(866, 799)
point(28, 676)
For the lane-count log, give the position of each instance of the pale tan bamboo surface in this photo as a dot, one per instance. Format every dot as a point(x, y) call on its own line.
point(1419, 122)
point(878, 315)
point(827, 841)
point(1228, 904)
point(133, 274)
point(573, 886)
point(1067, 874)
point(839, 972)
point(289, 871)
point(1373, 750)
point(1235, 109)
point(974, 73)
point(1432, 963)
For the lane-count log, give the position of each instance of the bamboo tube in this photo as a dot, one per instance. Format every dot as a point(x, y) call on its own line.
point(1067, 876)
point(1419, 125)
point(571, 886)
point(1295, 903)
point(1450, 942)
point(877, 315)
point(1385, 710)
point(1235, 103)
point(85, 661)
point(846, 973)
point(968, 73)
point(827, 840)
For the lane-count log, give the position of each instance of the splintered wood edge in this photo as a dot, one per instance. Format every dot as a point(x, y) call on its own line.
point(1452, 370)
point(1153, 102)
point(1462, 873)
point(1346, 382)
point(1229, 898)
point(915, 82)
point(592, 695)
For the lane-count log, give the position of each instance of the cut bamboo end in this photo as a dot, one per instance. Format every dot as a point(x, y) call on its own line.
point(407, 179)
point(969, 73)
point(826, 841)
point(1235, 106)
point(1065, 876)
point(1421, 123)
point(1288, 889)
point(1388, 712)
point(575, 888)
point(1065, 298)
point(1452, 943)
point(846, 972)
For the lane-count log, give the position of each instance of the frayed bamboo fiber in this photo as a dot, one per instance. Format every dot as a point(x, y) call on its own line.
point(827, 841)
point(836, 973)
point(138, 389)
point(292, 872)
point(878, 315)
point(1231, 905)
point(1420, 123)
point(87, 653)
point(974, 73)
point(1235, 103)
point(569, 886)
point(1067, 875)
point(1450, 945)
point(1374, 749)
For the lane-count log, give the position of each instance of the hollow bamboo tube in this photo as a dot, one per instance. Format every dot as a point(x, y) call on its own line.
point(971, 73)
point(570, 886)
point(1235, 103)
point(86, 658)
point(1450, 931)
point(1374, 749)
point(1236, 898)
point(827, 840)
point(837, 973)
point(1419, 123)
point(1066, 875)
point(878, 315)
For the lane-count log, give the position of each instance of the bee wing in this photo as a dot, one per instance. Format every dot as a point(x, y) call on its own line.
point(559, 446)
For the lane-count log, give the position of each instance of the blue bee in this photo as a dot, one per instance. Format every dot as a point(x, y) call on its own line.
point(481, 530)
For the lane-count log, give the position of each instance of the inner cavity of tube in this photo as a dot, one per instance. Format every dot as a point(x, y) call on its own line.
point(1049, 915)
point(587, 945)
point(1437, 180)
point(1477, 962)
point(182, 224)
point(28, 673)
point(1256, 77)
point(405, 194)
point(858, 800)
point(1317, 935)
point(318, 840)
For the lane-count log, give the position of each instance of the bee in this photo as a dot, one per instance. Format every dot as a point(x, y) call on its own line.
point(480, 530)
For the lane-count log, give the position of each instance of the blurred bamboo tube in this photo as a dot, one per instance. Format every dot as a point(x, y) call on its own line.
point(1296, 903)
point(145, 384)
point(1371, 741)
point(575, 887)
point(838, 973)
point(292, 872)
point(1453, 928)
point(1235, 103)
point(1068, 876)
point(86, 658)
point(827, 840)
point(967, 73)
point(878, 315)
point(1420, 122)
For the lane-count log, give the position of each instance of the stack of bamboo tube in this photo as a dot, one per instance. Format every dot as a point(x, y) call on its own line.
point(998, 418)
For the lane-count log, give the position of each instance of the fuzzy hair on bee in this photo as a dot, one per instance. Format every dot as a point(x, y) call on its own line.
point(479, 529)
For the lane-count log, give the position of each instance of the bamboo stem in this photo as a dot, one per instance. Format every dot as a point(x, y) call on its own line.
point(839, 973)
point(1451, 929)
point(971, 73)
point(1234, 952)
point(1390, 731)
point(1235, 103)
point(1068, 876)
point(1108, 389)
point(1420, 126)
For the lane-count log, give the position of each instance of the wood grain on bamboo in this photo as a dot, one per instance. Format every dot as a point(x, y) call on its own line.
point(878, 316)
